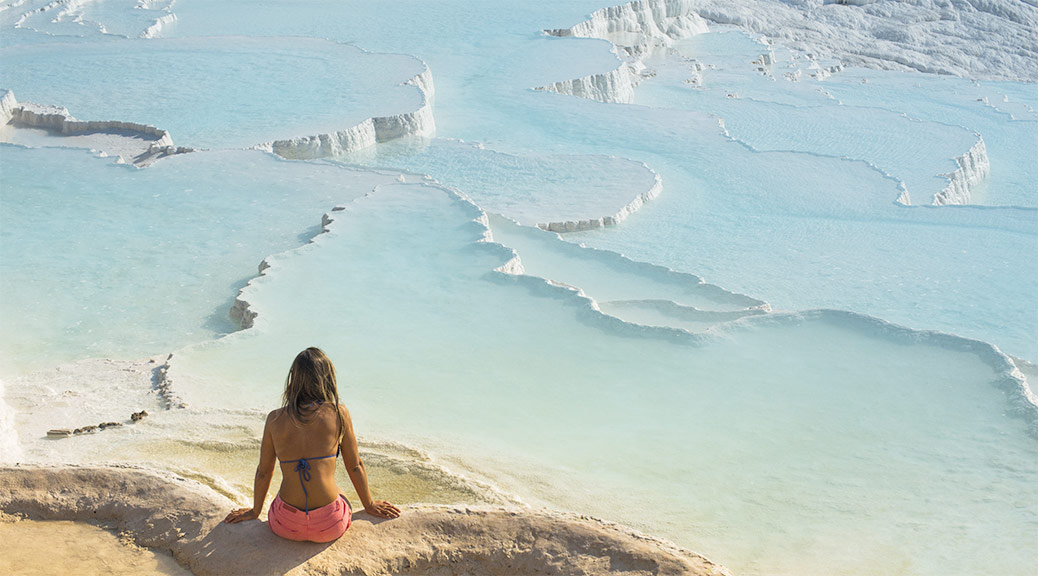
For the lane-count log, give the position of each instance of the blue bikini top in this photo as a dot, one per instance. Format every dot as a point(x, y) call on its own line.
point(303, 467)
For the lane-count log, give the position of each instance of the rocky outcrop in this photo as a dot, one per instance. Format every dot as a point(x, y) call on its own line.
point(92, 428)
point(163, 384)
point(168, 512)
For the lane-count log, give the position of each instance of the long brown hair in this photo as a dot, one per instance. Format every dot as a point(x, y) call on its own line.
point(311, 379)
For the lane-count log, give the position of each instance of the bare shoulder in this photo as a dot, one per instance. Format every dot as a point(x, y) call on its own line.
point(344, 412)
point(274, 415)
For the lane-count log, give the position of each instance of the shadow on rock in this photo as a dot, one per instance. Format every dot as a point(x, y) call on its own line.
point(242, 548)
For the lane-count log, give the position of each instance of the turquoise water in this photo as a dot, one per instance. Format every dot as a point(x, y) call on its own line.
point(216, 92)
point(532, 189)
point(783, 429)
point(772, 362)
point(142, 261)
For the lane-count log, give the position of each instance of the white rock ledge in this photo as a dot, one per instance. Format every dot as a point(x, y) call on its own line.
point(640, 23)
point(241, 311)
point(635, 30)
point(372, 130)
point(7, 105)
point(591, 224)
point(993, 39)
point(615, 86)
point(58, 121)
point(156, 28)
point(974, 167)
point(36, 17)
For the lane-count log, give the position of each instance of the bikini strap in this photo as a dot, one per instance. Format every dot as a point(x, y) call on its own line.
point(336, 455)
point(303, 467)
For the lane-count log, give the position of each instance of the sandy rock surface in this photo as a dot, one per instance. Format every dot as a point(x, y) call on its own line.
point(165, 511)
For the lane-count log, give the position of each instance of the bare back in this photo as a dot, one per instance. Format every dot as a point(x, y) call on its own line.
point(292, 440)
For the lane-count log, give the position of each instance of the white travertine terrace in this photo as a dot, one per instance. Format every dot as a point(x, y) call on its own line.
point(613, 220)
point(420, 122)
point(641, 23)
point(981, 39)
point(926, 35)
point(637, 28)
point(58, 120)
point(41, 15)
point(7, 105)
point(616, 86)
point(574, 265)
point(1021, 401)
point(974, 167)
point(241, 311)
point(155, 29)
point(634, 29)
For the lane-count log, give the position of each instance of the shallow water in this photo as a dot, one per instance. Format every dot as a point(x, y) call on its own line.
point(787, 418)
point(218, 99)
point(692, 388)
point(531, 189)
point(141, 262)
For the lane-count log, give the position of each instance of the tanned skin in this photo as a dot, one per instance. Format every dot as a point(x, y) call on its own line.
point(284, 438)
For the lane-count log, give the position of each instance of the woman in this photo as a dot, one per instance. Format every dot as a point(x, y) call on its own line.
point(307, 434)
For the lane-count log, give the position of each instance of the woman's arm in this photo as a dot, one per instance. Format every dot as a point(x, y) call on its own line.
point(261, 483)
point(358, 475)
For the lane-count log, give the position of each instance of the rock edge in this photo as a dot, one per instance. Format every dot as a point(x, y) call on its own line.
point(165, 511)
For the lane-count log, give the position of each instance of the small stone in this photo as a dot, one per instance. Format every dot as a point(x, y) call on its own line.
point(59, 432)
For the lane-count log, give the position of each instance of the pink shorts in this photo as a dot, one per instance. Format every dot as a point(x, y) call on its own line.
point(322, 524)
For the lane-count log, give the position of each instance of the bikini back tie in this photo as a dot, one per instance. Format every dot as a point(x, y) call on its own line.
point(303, 467)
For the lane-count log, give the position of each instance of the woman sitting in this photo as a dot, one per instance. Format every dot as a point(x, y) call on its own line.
point(307, 434)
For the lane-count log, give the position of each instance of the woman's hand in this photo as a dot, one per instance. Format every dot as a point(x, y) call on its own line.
point(240, 515)
point(382, 509)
